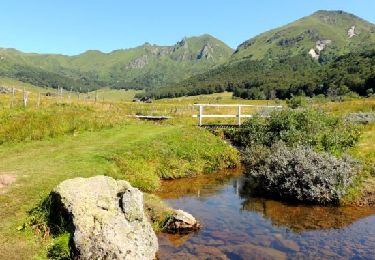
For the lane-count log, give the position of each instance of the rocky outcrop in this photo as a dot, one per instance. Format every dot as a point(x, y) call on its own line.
point(352, 32)
point(319, 47)
point(182, 222)
point(206, 52)
point(107, 218)
point(138, 63)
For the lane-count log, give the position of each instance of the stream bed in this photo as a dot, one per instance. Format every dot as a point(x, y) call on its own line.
point(239, 226)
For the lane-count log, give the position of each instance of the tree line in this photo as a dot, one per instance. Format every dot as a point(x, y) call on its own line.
point(282, 78)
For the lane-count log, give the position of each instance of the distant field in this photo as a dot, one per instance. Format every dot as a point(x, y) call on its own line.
point(9, 83)
point(220, 98)
point(114, 95)
point(105, 94)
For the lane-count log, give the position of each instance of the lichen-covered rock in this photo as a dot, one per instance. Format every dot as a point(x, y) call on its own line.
point(107, 218)
point(182, 222)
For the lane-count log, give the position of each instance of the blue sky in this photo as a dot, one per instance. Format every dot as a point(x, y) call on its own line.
point(73, 26)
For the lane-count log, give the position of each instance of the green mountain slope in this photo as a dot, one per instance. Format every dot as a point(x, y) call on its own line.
point(146, 66)
point(298, 58)
point(335, 32)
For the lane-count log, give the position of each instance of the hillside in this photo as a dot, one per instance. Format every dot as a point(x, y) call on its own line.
point(146, 66)
point(323, 33)
point(312, 56)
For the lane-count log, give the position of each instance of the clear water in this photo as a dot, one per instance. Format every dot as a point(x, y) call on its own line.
point(238, 226)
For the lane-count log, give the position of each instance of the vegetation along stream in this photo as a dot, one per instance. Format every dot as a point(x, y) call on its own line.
point(239, 226)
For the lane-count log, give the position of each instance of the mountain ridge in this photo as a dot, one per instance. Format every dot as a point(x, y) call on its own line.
point(144, 66)
point(292, 59)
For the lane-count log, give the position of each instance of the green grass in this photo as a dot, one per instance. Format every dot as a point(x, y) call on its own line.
point(365, 152)
point(114, 95)
point(173, 156)
point(13, 83)
point(40, 166)
point(20, 125)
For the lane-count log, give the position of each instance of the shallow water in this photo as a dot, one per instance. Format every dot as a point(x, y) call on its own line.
point(238, 226)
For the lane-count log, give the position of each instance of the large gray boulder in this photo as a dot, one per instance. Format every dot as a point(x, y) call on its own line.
point(107, 218)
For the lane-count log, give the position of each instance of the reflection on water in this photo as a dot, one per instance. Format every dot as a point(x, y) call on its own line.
point(304, 218)
point(238, 226)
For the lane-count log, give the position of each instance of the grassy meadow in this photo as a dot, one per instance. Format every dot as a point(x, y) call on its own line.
point(60, 138)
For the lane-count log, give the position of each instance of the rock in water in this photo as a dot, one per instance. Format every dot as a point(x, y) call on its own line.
point(107, 218)
point(182, 222)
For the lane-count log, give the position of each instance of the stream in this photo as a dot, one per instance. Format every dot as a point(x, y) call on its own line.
point(238, 226)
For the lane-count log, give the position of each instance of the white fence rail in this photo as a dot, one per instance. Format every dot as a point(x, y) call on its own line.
point(239, 115)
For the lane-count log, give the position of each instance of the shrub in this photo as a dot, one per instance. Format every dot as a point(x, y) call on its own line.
point(296, 102)
point(312, 128)
point(299, 174)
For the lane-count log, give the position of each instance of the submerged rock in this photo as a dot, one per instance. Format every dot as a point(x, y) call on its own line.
point(182, 222)
point(107, 219)
point(251, 251)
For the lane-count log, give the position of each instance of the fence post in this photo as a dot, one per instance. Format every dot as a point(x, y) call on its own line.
point(25, 97)
point(12, 98)
point(70, 95)
point(200, 115)
point(239, 115)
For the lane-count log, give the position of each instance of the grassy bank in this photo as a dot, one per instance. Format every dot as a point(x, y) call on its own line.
point(363, 193)
point(39, 166)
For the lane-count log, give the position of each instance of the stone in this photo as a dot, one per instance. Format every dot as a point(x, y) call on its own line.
point(285, 245)
point(320, 45)
point(182, 222)
point(209, 252)
point(107, 218)
point(250, 251)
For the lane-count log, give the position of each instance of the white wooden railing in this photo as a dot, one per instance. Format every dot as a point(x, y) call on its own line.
point(239, 115)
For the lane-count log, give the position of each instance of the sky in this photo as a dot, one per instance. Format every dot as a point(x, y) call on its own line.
point(74, 26)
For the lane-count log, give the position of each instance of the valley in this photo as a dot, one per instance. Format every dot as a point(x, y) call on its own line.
point(293, 182)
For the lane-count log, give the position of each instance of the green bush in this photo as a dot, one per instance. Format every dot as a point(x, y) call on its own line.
point(296, 102)
point(299, 174)
point(305, 127)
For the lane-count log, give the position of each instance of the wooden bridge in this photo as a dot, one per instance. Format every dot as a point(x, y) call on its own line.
point(238, 115)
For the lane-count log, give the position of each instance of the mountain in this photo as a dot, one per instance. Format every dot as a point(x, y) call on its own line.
point(146, 66)
point(298, 58)
point(322, 33)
